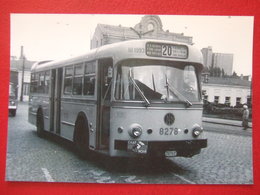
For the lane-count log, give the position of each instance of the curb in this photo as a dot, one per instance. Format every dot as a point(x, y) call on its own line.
point(219, 123)
point(231, 132)
point(241, 132)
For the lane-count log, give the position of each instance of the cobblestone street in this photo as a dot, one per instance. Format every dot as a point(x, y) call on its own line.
point(226, 160)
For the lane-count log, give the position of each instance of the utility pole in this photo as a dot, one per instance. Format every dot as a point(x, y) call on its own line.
point(23, 61)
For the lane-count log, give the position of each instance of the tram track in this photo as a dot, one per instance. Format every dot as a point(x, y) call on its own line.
point(183, 178)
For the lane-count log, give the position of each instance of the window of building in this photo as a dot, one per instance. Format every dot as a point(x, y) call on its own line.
point(216, 99)
point(26, 87)
point(204, 94)
point(205, 97)
point(238, 101)
point(227, 100)
point(249, 100)
point(205, 78)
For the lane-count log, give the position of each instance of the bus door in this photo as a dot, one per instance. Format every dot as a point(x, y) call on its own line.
point(104, 98)
point(55, 99)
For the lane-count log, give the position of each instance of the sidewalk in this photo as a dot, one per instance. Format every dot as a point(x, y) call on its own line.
point(224, 122)
point(233, 127)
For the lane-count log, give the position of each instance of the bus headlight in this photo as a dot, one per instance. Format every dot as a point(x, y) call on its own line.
point(135, 131)
point(196, 130)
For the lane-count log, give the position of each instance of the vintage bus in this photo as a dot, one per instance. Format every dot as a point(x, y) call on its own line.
point(133, 98)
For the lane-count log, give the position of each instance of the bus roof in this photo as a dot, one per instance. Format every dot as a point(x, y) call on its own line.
point(131, 49)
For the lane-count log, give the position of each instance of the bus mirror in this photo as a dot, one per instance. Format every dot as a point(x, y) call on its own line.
point(109, 72)
point(109, 75)
point(107, 80)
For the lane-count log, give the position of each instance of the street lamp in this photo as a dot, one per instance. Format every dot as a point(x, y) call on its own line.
point(23, 60)
point(140, 33)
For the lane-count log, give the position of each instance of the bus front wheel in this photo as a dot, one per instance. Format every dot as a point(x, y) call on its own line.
point(81, 138)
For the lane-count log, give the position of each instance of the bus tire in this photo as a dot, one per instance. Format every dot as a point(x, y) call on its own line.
point(81, 138)
point(40, 124)
point(13, 112)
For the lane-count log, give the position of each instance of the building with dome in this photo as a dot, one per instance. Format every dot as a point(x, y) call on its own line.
point(149, 27)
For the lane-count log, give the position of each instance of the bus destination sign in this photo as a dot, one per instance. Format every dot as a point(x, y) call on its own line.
point(166, 50)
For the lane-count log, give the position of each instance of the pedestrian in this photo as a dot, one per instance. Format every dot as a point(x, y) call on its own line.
point(245, 117)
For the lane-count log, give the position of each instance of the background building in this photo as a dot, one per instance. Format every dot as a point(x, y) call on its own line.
point(218, 60)
point(207, 56)
point(216, 89)
point(14, 80)
point(21, 76)
point(229, 91)
point(150, 27)
point(223, 60)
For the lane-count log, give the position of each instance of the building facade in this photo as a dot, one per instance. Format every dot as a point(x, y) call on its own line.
point(22, 77)
point(149, 27)
point(229, 91)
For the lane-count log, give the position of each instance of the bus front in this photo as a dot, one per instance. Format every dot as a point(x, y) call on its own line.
point(157, 108)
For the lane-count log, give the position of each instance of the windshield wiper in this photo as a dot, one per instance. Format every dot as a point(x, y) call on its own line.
point(147, 102)
point(176, 93)
point(153, 83)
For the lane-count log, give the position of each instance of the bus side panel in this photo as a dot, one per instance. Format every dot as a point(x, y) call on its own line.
point(31, 115)
point(45, 108)
point(69, 112)
point(68, 118)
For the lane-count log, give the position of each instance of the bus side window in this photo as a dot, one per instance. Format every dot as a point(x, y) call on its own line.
point(78, 79)
point(41, 86)
point(89, 79)
point(37, 76)
point(68, 80)
point(33, 83)
point(47, 81)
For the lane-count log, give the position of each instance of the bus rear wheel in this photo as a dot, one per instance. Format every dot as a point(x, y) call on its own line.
point(81, 139)
point(13, 112)
point(40, 124)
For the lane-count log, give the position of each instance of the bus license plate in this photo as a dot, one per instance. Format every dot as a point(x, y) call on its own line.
point(136, 146)
point(170, 153)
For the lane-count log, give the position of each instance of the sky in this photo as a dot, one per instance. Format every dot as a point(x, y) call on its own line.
point(59, 36)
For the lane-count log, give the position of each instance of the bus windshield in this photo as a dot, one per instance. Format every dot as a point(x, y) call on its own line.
point(156, 82)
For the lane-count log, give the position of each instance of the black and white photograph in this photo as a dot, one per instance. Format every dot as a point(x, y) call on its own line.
point(143, 99)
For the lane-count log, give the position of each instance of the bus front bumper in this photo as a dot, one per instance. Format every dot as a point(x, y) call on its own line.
point(184, 148)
